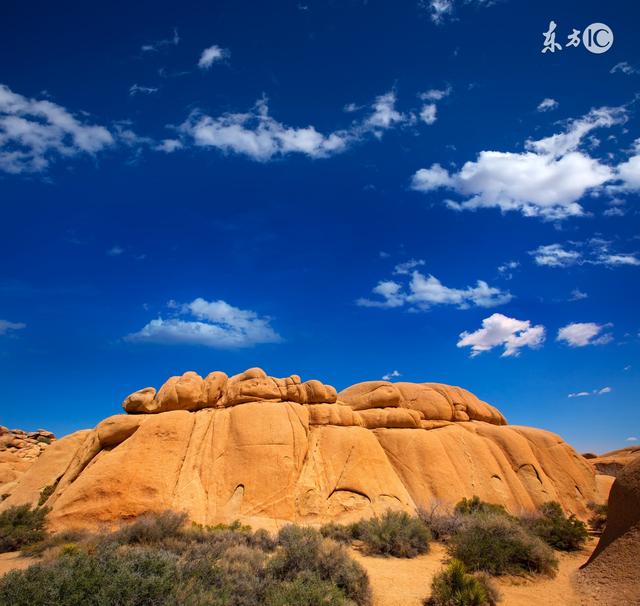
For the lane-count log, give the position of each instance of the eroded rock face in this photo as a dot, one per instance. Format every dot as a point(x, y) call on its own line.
point(262, 449)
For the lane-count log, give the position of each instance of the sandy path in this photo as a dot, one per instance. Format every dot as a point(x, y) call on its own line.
point(406, 582)
point(13, 561)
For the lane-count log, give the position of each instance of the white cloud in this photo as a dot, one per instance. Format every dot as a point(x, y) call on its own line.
point(406, 267)
point(34, 133)
point(547, 180)
point(6, 326)
point(156, 46)
point(629, 174)
point(208, 323)
point(624, 68)
point(439, 10)
point(499, 330)
point(595, 392)
point(547, 105)
point(212, 55)
point(391, 375)
point(259, 136)
point(423, 292)
point(593, 252)
point(428, 113)
point(631, 439)
point(136, 89)
point(169, 145)
point(581, 334)
point(115, 251)
point(578, 295)
point(435, 94)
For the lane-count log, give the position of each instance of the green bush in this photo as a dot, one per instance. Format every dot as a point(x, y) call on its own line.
point(305, 590)
point(598, 519)
point(454, 586)
point(342, 533)
point(441, 522)
point(395, 533)
point(46, 492)
point(475, 505)
point(21, 526)
point(304, 551)
point(498, 545)
point(158, 561)
point(558, 530)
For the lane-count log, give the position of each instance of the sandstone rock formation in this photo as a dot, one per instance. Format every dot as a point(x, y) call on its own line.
point(265, 450)
point(18, 450)
point(612, 573)
point(612, 463)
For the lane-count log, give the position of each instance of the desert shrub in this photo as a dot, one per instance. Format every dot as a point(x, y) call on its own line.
point(305, 590)
point(342, 533)
point(131, 577)
point(75, 536)
point(598, 519)
point(46, 492)
point(475, 505)
point(395, 533)
point(43, 439)
point(498, 545)
point(558, 530)
point(441, 522)
point(21, 526)
point(149, 529)
point(304, 551)
point(454, 586)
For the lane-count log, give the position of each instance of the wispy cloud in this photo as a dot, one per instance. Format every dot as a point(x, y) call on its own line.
point(394, 374)
point(595, 392)
point(592, 252)
point(36, 133)
point(499, 330)
point(136, 89)
point(6, 326)
point(159, 44)
point(624, 68)
point(423, 292)
point(115, 251)
point(208, 323)
point(547, 105)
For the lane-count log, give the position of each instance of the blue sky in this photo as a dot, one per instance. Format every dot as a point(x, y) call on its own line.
point(335, 189)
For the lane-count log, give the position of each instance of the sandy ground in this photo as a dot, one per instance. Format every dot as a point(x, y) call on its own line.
point(406, 582)
point(13, 561)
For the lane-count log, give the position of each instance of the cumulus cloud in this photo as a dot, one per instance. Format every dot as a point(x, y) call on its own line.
point(209, 323)
point(423, 292)
point(593, 252)
point(211, 55)
point(428, 113)
point(547, 180)
point(581, 334)
point(35, 133)
point(506, 269)
point(391, 375)
point(547, 105)
point(6, 326)
point(406, 267)
point(435, 94)
point(499, 330)
point(261, 137)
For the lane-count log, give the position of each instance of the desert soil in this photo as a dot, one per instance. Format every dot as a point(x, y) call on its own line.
point(406, 582)
point(14, 561)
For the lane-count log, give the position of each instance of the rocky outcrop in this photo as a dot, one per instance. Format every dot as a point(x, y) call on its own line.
point(612, 463)
point(265, 450)
point(613, 569)
point(18, 450)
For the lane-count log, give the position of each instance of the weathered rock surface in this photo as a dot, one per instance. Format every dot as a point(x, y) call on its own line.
point(262, 449)
point(18, 450)
point(613, 570)
point(612, 463)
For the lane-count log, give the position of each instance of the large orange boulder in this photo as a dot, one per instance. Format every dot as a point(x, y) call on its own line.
point(266, 450)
